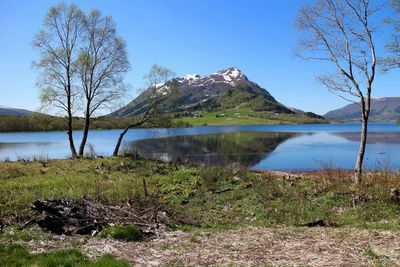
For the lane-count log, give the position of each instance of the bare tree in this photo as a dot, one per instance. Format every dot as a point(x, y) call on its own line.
point(57, 44)
point(339, 32)
point(101, 67)
point(153, 98)
point(392, 61)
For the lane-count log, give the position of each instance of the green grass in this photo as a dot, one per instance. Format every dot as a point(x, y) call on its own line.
point(107, 180)
point(245, 116)
point(124, 232)
point(16, 255)
point(16, 233)
point(212, 198)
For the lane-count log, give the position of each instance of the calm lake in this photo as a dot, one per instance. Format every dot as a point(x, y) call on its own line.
point(275, 147)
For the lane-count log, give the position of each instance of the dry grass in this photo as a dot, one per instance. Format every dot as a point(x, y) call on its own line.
point(263, 246)
point(383, 179)
point(250, 246)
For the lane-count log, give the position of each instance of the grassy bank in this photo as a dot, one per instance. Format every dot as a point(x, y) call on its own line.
point(212, 198)
point(245, 116)
point(215, 208)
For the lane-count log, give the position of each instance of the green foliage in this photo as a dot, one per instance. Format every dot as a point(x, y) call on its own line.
point(236, 116)
point(15, 233)
point(128, 232)
point(180, 186)
point(16, 255)
point(243, 96)
point(213, 177)
point(41, 123)
point(181, 124)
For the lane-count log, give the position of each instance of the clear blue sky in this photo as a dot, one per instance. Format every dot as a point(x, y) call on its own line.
point(187, 36)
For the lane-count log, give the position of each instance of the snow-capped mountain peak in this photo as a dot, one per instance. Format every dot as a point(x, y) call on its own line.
point(231, 75)
point(229, 87)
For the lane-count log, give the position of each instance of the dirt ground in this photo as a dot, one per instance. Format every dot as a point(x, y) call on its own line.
point(251, 246)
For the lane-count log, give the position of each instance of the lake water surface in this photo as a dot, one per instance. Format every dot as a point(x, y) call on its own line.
point(276, 147)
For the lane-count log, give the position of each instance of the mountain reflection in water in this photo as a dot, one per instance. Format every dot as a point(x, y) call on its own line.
point(373, 138)
point(232, 149)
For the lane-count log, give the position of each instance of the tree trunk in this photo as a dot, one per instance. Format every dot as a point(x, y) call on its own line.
point(85, 133)
point(69, 132)
point(69, 111)
point(71, 138)
point(121, 137)
point(361, 152)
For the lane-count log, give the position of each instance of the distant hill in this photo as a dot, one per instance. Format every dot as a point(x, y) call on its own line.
point(228, 88)
point(382, 109)
point(6, 111)
point(308, 113)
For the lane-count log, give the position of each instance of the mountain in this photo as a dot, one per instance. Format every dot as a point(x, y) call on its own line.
point(228, 88)
point(6, 111)
point(298, 111)
point(308, 113)
point(382, 109)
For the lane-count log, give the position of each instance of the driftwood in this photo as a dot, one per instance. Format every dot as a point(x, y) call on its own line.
point(83, 216)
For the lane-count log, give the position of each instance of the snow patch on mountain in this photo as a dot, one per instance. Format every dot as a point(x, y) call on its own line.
point(379, 98)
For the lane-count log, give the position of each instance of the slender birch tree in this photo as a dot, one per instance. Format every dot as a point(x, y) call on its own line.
point(101, 65)
point(340, 33)
point(58, 44)
point(392, 60)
